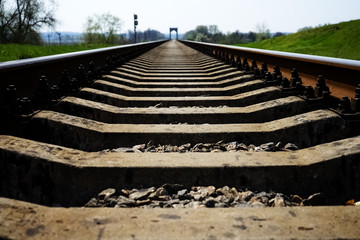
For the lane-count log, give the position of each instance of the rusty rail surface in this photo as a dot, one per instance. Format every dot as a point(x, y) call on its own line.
point(342, 75)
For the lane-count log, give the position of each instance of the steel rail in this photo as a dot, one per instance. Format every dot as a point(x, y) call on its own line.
point(342, 75)
point(24, 74)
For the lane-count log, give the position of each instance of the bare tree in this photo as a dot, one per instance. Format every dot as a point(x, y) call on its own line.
point(202, 29)
point(262, 32)
point(104, 28)
point(21, 21)
point(213, 29)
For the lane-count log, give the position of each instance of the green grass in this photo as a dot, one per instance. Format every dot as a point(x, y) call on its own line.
point(340, 40)
point(10, 52)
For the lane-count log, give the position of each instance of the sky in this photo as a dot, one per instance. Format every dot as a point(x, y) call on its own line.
point(228, 15)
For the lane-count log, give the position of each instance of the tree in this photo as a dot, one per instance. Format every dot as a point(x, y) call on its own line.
point(104, 28)
point(190, 35)
point(202, 29)
point(151, 35)
point(279, 34)
point(251, 37)
point(216, 37)
point(201, 34)
point(305, 29)
point(213, 29)
point(214, 34)
point(211, 33)
point(21, 20)
point(201, 38)
point(263, 32)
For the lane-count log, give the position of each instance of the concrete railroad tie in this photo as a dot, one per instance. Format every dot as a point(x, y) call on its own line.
point(174, 95)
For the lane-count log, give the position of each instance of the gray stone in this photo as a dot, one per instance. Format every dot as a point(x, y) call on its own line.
point(183, 194)
point(257, 149)
point(185, 147)
point(92, 203)
point(208, 145)
point(173, 201)
point(233, 192)
point(206, 191)
point(262, 194)
point(232, 146)
point(221, 146)
point(219, 142)
point(139, 194)
point(150, 144)
point(164, 198)
point(229, 199)
point(112, 201)
point(268, 146)
point(247, 195)
point(143, 202)
point(125, 192)
point(104, 195)
point(254, 199)
point(316, 199)
point(296, 199)
point(150, 149)
point(251, 146)
point(159, 192)
point(139, 148)
point(124, 202)
point(123, 150)
point(198, 146)
point(223, 190)
point(279, 201)
point(242, 147)
point(160, 149)
point(205, 147)
point(230, 194)
point(175, 195)
point(291, 146)
point(197, 196)
point(196, 150)
point(169, 148)
point(221, 198)
point(210, 202)
point(264, 200)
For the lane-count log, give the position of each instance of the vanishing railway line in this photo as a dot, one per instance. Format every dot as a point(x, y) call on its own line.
point(168, 124)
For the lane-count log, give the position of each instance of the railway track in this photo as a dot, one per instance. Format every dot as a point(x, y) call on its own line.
point(178, 140)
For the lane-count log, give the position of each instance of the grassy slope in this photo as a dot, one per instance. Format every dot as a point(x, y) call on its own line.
point(339, 40)
point(10, 52)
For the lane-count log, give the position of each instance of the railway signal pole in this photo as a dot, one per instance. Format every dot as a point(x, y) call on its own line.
point(135, 24)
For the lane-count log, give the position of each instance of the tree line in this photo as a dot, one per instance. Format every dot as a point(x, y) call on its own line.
point(22, 20)
point(212, 34)
point(106, 28)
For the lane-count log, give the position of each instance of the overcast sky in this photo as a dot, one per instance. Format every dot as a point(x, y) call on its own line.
point(228, 15)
